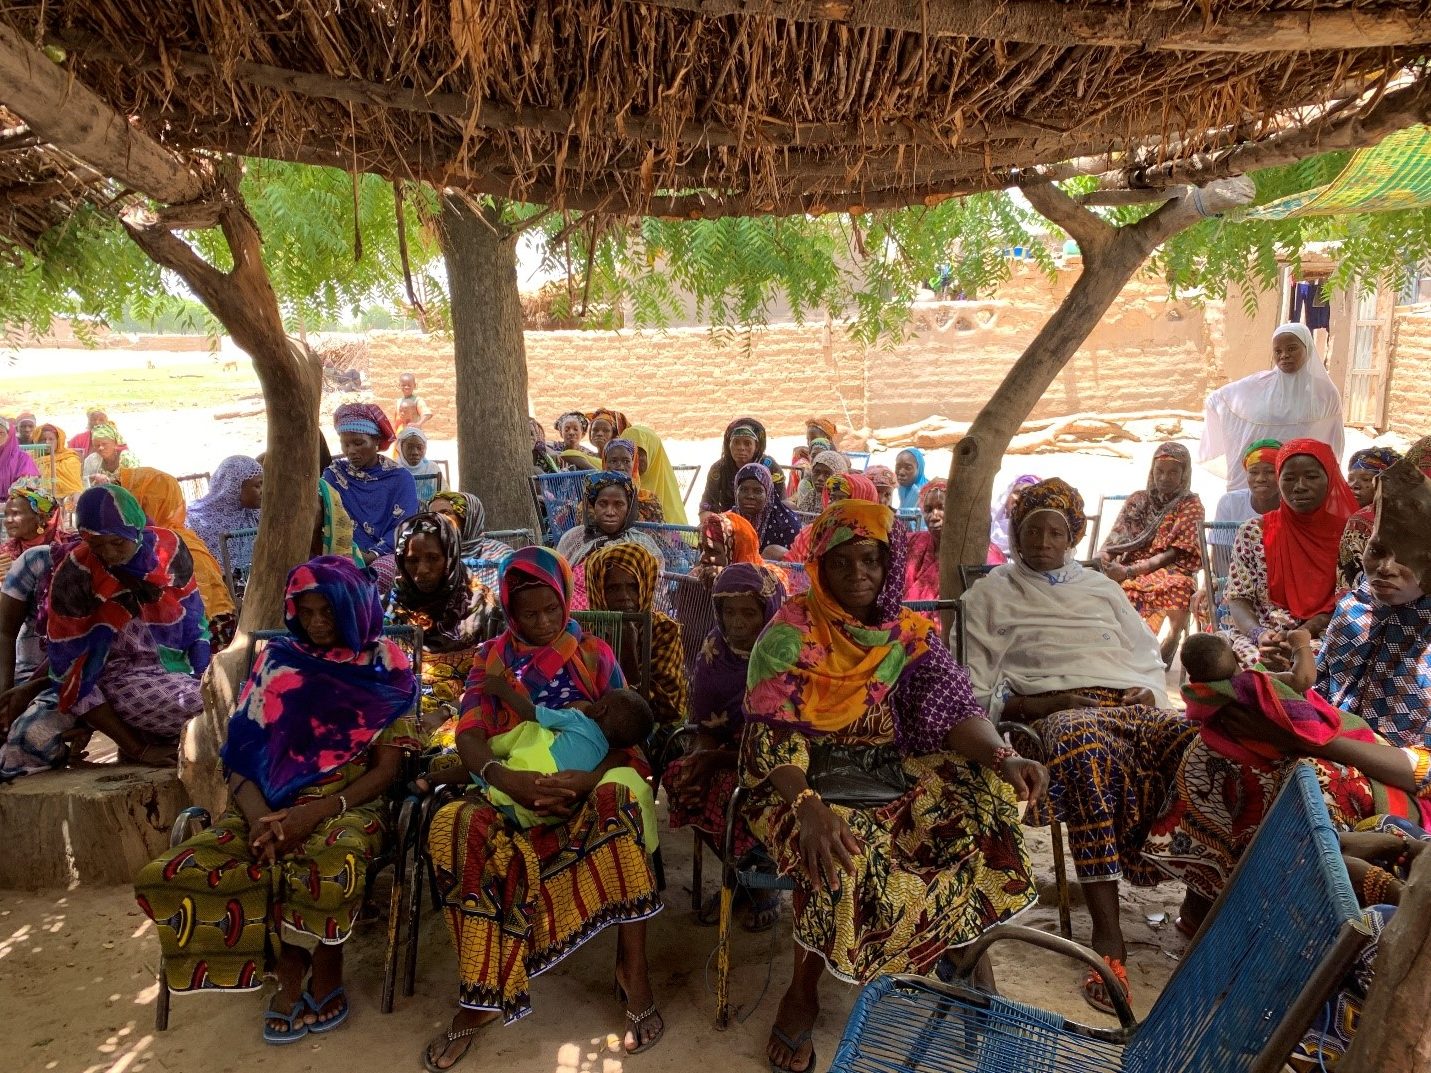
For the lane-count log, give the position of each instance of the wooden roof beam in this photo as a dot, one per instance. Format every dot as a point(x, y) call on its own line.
point(66, 114)
point(1136, 25)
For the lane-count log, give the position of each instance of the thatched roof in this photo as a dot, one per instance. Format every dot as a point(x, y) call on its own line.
point(710, 107)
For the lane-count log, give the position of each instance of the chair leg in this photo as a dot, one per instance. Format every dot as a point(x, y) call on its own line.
point(161, 1004)
point(725, 1011)
point(414, 919)
point(1060, 878)
point(697, 857)
point(402, 876)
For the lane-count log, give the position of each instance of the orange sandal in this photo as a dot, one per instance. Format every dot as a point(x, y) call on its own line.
point(1096, 994)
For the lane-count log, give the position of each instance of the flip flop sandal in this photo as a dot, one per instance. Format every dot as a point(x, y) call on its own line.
point(637, 1020)
point(447, 1039)
point(794, 1045)
point(319, 1027)
point(1185, 929)
point(296, 1029)
point(762, 915)
point(1094, 992)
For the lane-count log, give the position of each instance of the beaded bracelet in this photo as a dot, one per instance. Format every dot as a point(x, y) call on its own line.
point(342, 804)
point(1002, 754)
point(808, 792)
point(1376, 885)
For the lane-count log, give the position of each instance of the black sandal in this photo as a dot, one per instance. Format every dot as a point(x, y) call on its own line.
point(639, 1019)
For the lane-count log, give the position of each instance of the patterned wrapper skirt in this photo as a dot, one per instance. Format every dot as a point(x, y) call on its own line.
point(517, 902)
point(219, 912)
point(940, 865)
point(709, 817)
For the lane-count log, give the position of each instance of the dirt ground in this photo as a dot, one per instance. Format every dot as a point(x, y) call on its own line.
point(77, 991)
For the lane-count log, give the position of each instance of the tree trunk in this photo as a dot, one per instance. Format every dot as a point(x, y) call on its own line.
point(1110, 258)
point(493, 441)
point(1394, 1035)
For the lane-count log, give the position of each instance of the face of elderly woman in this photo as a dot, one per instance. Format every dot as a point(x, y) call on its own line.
point(621, 590)
point(750, 499)
point(1390, 582)
point(609, 510)
point(1044, 540)
point(1303, 484)
point(107, 449)
point(820, 473)
point(315, 615)
point(740, 620)
point(742, 449)
point(112, 550)
point(360, 449)
point(21, 521)
point(571, 434)
point(933, 508)
point(854, 574)
point(1288, 353)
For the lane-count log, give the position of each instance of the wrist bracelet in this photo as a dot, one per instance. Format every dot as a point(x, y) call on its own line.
point(482, 771)
point(1376, 886)
point(342, 804)
point(801, 797)
point(1001, 754)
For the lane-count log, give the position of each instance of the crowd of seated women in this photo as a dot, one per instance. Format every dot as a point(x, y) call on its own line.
point(813, 667)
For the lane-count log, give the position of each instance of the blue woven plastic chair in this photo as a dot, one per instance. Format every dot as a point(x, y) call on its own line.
point(1217, 538)
point(1277, 942)
point(797, 578)
point(236, 558)
point(679, 544)
point(557, 497)
point(514, 538)
point(428, 486)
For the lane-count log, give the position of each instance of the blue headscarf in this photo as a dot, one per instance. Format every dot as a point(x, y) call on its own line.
point(909, 494)
point(306, 711)
point(377, 499)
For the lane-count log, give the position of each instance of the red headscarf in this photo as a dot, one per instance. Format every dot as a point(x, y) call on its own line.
point(1301, 549)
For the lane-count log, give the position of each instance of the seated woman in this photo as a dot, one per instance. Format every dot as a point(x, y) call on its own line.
point(312, 747)
point(125, 638)
point(69, 467)
point(609, 513)
point(843, 677)
point(470, 517)
point(699, 784)
point(456, 612)
point(619, 456)
point(14, 462)
point(840, 487)
point(571, 427)
point(623, 577)
point(1259, 463)
point(1060, 647)
point(232, 503)
point(32, 519)
point(377, 493)
point(824, 464)
point(411, 454)
point(756, 499)
point(744, 443)
point(1283, 573)
point(656, 474)
point(161, 498)
point(1155, 547)
point(909, 472)
point(519, 901)
point(108, 455)
point(725, 539)
point(1362, 472)
point(1375, 666)
point(606, 425)
point(544, 454)
point(921, 576)
point(885, 483)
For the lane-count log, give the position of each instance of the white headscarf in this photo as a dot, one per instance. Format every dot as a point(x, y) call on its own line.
point(1272, 405)
point(1032, 632)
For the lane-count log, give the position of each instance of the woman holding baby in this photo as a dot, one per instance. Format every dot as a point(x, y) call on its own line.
point(519, 899)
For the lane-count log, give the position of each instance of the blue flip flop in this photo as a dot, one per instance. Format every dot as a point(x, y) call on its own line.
point(319, 1027)
point(296, 1029)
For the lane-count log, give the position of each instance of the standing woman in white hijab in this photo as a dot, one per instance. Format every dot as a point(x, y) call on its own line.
point(1295, 399)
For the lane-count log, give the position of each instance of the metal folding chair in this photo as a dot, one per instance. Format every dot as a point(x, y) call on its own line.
point(688, 476)
point(1096, 522)
point(428, 486)
point(1279, 939)
point(687, 600)
point(44, 460)
point(236, 558)
point(557, 498)
point(1217, 538)
point(192, 820)
point(859, 460)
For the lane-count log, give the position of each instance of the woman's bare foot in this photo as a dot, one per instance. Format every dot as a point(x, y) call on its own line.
point(324, 982)
point(791, 1047)
point(291, 970)
point(450, 1047)
point(644, 1025)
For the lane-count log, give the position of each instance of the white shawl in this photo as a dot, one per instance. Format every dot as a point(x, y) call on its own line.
point(1272, 405)
point(1029, 632)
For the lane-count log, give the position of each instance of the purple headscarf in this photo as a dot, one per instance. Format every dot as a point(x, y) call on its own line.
point(718, 682)
point(219, 512)
point(777, 524)
point(15, 462)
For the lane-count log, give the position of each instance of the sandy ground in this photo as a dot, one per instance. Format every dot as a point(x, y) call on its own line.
point(77, 991)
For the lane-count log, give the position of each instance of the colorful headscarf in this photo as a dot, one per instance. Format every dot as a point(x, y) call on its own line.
point(736, 535)
point(1301, 549)
point(1053, 494)
point(366, 418)
point(305, 711)
point(221, 510)
point(161, 498)
point(69, 466)
point(37, 492)
point(91, 602)
point(777, 523)
point(1373, 460)
point(1419, 455)
point(15, 461)
point(882, 477)
point(635, 560)
point(1142, 515)
point(576, 660)
point(660, 476)
point(614, 417)
point(1260, 451)
point(472, 525)
point(852, 485)
point(718, 681)
point(459, 611)
point(809, 497)
point(825, 425)
point(999, 529)
point(817, 668)
point(938, 484)
point(105, 430)
point(598, 482)
point(909, 494)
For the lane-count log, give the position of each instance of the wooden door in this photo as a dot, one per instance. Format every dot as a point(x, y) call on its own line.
point(1366, 376)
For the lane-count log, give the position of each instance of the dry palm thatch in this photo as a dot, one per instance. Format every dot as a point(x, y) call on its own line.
point(700, 108)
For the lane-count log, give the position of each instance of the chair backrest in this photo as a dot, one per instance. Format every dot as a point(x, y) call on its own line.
point(687, 476)
point(488, 571)
point(44, 460)
point(611, 627)
point(408, 637)
point(688, 600)
point(427, 486)
point(515, 538)
point(1287, 912)
point(912, 517)
point(557, 497)
point(1095, 523)
point(797, 578)
point(194, 485)
point(859, 460)
point(236, 559)
point(1217, 538)
point(679, 544)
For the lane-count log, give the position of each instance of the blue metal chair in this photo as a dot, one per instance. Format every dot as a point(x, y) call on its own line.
point(1217, 538)
point(236, 558)
point(859, 460)
point(427, 486)
point(557, 498)
point(1278, 940)
point(679, 544)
